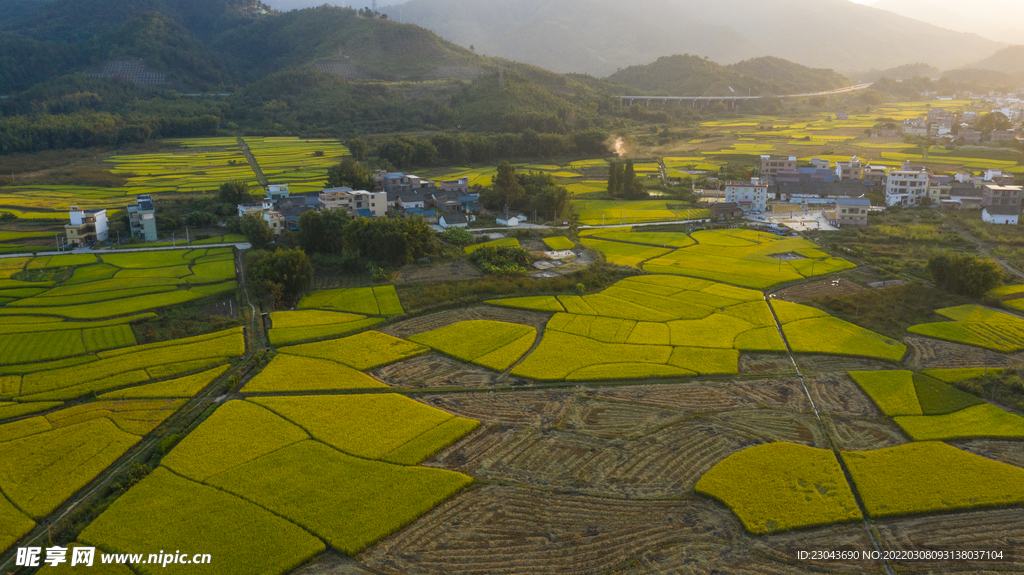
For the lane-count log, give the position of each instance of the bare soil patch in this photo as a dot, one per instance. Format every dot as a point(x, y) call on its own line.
point(816, 289)
point(837, 393)
point(927, 353)
point(1011, 452)
point(1000, 529)
point(435, 370)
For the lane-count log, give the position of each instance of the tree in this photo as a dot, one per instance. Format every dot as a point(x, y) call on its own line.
point(257, 231)
point(234, 193)
point(282, 275)
point(359, 148)
point(964, 274)
point(350, 174)
point(613, 179)
point(322, 232)
point(506, 184)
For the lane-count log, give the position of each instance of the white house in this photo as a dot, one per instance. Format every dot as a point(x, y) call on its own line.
point(511, 220)
point(752, 197)
point(1007, 215)
point(453, 221)
point(906, 186)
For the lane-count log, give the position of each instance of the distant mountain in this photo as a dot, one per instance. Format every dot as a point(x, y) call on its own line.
point(898, 73)
point(601, 36)
point(1009, 61)
point(999, 20)
point(695, 76)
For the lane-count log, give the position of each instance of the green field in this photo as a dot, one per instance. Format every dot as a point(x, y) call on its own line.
point(296, 326)
point(364, 351)
point(844, 338)
point(621, 212)
point(638, 236)
point(502, 243)
point(296, 373)
point(622, 254)
point(381, 300)
point(559, 243)
point(782, 486)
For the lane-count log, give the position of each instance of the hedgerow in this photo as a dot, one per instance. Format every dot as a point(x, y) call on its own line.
point(781, 486)
point(927, 477)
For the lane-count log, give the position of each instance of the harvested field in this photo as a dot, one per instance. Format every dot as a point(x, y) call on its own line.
point(999, 529)
point(758, 363)
point(1011, 452)
point(811, 364)
point(813, 290)
point(863, 435)
point(433, 370)
point(404, 329)
point(927, 353)
point(495, 530)
point(783, 393)
point(539, 409)
point(837, 394)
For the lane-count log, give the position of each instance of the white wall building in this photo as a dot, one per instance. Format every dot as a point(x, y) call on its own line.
point(1005, 215)
point(906, 186)
point(752, 197)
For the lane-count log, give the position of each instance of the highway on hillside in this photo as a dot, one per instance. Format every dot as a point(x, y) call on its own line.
point(648, 99)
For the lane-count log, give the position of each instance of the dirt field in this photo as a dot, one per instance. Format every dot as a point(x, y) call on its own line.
point(460, 270)
point(828, 288)
point(927, 353)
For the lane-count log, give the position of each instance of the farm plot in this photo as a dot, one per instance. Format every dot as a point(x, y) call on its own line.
point(502, 243)
point(297, 326)
point(296, 373)
point(535, 303)
point(181, 387)
point(930, 477)
point(43, 461)
point(623, 254)
point(13, 524)
point(302, 164)
point(747, 258)
point(492, 344)
point(260, 451)
point(782, 486)
point(203, 164)
point(660, 239)
point(978, 326)
point(650, 326)
point(166, 511)
point(381, 300)
point(364, 351)
point(612, 212)
point(559, 243)
point(803, 326)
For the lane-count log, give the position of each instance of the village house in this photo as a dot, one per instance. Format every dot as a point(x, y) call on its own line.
point(852, 211)
point(1002, 215)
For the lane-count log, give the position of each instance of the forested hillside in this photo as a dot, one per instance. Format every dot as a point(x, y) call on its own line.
point(695, 76)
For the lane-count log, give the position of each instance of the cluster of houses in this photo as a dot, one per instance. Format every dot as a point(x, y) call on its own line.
point(940, 124)
point(846, 186)
point(90, 226)
point(443, 204)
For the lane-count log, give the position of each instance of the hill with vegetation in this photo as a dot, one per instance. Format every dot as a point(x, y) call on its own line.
point(1009, 61)
point(688, 75)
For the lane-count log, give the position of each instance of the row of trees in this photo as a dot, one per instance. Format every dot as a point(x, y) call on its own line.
point(624, 183)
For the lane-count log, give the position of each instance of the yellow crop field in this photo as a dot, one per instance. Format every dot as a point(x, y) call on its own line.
point(622, 254)
point(536, 303)
point(182, 387)
point(296, 373)
point(165, 511)
point(360, 432)
point(977, 326)
point(930, 476)
point(13, 524)
point(350, 502)
point(892, 391)
point(492, 344)
point(979, 421)
point(559, 243)
point(781, 486)
point(745, 258)
point(363, 351)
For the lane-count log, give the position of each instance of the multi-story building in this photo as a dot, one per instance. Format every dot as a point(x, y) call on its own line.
point(876, 175)
point(852, 170)
point(752, 196)
point(772, 166)
point(86, 227)
point(1005, 196)
point(354, 200)
point(142, 219)
point(277, 192)
point(915, 127)
point(819, 164)
point(276, 221)
point(852, 211)
point(939, 189)
point(1003, 136)
point(906, 186)
point(999, 177)
point(940, 116)
point(970, 136)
